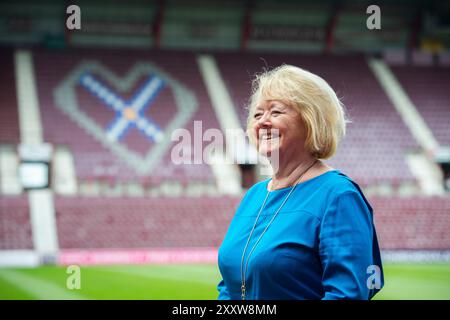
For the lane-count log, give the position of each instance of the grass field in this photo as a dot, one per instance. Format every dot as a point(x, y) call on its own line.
point(403, 281)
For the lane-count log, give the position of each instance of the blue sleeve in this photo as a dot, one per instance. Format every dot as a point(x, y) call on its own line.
point(345, 247)
point(223, 291)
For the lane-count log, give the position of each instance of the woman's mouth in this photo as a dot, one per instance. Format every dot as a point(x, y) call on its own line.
point(268, 136)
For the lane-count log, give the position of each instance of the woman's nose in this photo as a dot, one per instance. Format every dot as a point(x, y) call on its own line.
point(264, 120)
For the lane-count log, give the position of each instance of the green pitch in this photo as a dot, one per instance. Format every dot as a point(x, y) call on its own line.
point(403, 281)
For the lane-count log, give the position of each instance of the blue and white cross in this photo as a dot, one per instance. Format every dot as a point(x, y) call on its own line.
point(128, 113)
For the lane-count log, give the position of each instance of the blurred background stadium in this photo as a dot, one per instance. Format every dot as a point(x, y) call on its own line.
point(87, 180)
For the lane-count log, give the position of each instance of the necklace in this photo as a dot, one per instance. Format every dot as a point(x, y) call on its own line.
point(245, 265)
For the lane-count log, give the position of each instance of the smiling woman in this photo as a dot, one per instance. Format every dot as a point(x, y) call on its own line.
point(308, 232)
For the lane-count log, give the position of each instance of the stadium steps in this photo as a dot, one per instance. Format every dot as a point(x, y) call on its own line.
point(426, 172)
point(227, 175)
point(41, 205)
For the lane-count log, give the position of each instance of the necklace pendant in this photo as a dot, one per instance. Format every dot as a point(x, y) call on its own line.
point(243, 292)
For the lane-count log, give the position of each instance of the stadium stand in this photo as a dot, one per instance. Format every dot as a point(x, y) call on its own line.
point(93, 156)
point(427, 87)
point(15, 225)
point(424, 221)
point(92, 223)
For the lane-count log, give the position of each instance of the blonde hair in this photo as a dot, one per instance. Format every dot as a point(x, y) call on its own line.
point(321, 110)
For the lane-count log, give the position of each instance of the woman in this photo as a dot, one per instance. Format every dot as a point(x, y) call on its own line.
point(308, 232)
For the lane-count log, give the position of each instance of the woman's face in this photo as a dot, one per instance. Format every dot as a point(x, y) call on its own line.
point(278, 127)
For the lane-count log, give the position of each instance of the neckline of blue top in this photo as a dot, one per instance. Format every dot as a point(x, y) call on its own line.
point(298, 184)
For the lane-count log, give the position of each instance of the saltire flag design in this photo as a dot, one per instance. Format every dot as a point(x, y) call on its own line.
point(128, 113)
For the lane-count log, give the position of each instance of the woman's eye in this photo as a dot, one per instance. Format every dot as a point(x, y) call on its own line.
point(257, 115)
point(275, 112)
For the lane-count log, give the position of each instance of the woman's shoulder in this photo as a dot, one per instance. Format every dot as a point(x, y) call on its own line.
point(341, 184)
point(333, 184)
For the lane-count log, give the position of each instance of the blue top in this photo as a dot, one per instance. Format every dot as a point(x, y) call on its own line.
point(321, 245)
